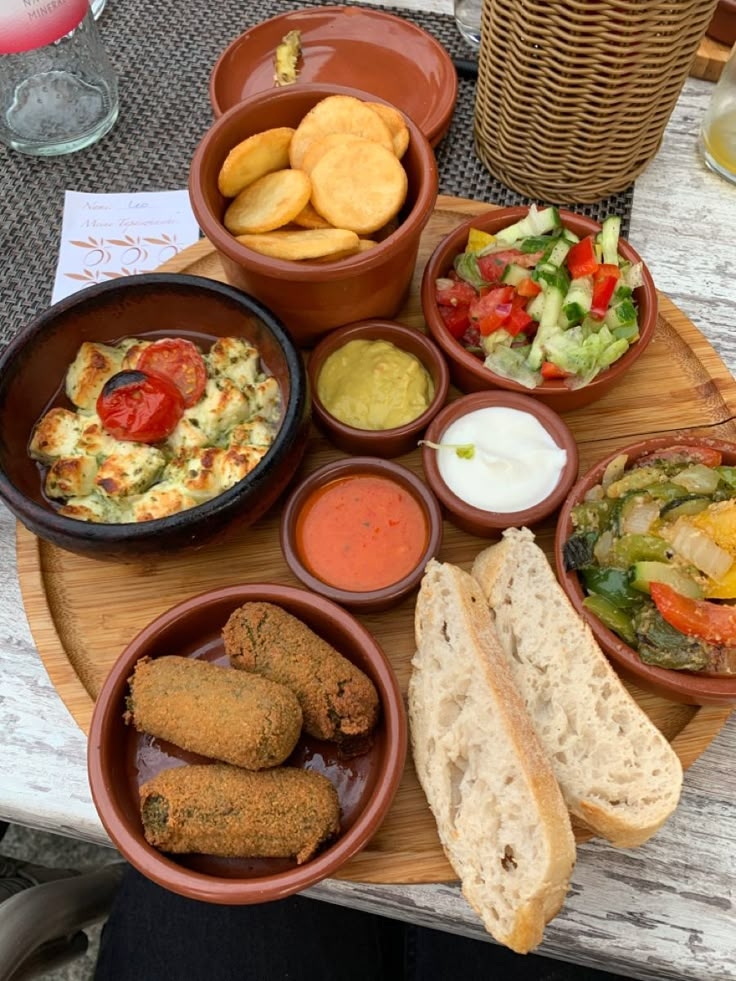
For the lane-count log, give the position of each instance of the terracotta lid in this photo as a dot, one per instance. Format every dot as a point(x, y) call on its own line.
point(723, 25)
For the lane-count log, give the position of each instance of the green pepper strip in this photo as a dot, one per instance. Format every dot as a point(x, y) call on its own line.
point(611, 617)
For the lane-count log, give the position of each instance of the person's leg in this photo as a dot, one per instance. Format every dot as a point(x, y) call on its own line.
point(153, 934)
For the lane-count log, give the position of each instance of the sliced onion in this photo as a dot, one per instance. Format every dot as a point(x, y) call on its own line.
point(697, 547)
point(503, 309)
point(697, 479)
point(603, 547)
point(594, 494)
point(640, 518)
point(614, 471)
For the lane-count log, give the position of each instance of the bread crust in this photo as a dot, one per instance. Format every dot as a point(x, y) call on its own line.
point(450, 603)
point(622, 825)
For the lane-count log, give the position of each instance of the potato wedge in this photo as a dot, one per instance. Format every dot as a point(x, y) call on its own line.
point(306, 244)
point(338, 114)
point(359, 186)
point(308, 218)
point(255, 157)
point(396, 126)
point(268, 203)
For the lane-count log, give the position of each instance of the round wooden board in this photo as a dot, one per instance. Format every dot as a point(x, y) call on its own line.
point(82, 613)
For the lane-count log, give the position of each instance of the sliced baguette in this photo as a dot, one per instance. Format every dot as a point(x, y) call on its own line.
point(617, 772)
point(500, 815)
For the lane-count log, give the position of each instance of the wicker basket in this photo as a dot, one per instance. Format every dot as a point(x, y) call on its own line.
point(573, 95)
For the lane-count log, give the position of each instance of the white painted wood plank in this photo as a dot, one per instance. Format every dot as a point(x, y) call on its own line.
point(664, 911)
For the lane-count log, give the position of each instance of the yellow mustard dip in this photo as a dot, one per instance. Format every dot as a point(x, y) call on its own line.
point(374, 385)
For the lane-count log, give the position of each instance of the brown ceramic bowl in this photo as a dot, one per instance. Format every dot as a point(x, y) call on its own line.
point(121, 759)
point(377, 599)
point(383, 442)
point(723, 25)
point(679, 686)
point(32, 373)
point(470, 374)
point(370, 49)
point(312, 297)
point(488, 524)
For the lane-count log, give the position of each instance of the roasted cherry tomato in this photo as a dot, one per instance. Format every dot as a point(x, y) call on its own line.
point(700, 454)
point(180, 362)
point(139, 407)
point(710, 622)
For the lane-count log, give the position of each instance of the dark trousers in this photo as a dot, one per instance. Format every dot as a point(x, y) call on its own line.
point(154, 935)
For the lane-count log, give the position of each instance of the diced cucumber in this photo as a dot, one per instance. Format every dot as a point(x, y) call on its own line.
point(513, 274)
point(553, 276)
point(645, 573)
point(608, 239)
point(569, 236)
point(578, 299)
point(535, 306)
point(535, 223)
point(629, 332)
point(553, 297)
point(622, 315)
point(535, 243)
point(558, 252)
point(622, 292)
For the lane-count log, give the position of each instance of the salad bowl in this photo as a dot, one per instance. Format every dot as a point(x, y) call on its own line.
point(690, 687)
point(468, 370)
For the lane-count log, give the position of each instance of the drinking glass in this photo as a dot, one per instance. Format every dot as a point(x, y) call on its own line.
point(718, 132)
point(467, 18)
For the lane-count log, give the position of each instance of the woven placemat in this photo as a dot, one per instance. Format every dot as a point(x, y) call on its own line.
point(164, 53)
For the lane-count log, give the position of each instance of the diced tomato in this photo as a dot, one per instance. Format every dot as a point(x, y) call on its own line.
point(518, 321)
point(139, 407)
point(178, 361)
point(581, 260)
point(491, 267)
point(604, 284)
point(494, 321)
point(702, 454)
point(485, 305)
point(456, 319)
point(527, 287)
point(711, 622)
point(550, 371)
point(518, 302)
point(458, 295)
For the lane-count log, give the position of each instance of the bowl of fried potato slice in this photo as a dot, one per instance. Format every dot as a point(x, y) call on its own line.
point(315, 198)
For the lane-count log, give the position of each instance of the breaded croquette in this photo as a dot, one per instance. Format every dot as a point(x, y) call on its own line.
point(337, 699)
point(223, 810)
point(241, 719)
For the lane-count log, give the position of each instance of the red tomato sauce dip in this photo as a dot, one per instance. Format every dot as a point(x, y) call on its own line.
point(361, 533)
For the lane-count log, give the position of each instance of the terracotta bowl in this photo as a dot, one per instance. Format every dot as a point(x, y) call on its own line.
point(679, 686)
point(120, 759)
point(488, 524)
point(377, 599)
point(384, 442)
point(311, 297)
point(371, 49)
point(32, 373)
point(723, 25)
point(470, 374)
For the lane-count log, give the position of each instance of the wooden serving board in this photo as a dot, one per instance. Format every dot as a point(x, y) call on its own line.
point(82, 613)
point(710, 59)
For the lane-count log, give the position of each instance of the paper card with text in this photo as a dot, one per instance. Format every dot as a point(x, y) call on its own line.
point(105, 236)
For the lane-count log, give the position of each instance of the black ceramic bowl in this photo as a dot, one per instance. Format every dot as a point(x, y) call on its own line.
point(33, 369)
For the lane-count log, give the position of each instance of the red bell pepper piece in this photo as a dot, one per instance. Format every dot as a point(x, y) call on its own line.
point(494, 321)
point(456, 319)
point(518, 321)
point(581, 260)
point(711, 622)
point(527, 287)
point(550, 371)
point(604, 284)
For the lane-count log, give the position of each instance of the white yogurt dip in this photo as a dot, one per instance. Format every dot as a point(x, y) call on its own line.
point(516, 463)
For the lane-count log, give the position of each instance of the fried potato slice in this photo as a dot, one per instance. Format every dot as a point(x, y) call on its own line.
point(359, 186)
point(338, 114)
point(364, 245)
point(306, 244)
point(315, 151)
point(255, 157)
point(396, 126)
point(308, 218)
point(268, 203)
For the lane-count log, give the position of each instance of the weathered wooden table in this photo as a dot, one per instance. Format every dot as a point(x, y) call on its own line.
point(667, 910)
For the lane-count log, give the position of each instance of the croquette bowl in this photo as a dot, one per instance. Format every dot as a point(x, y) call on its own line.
point(366, 777)
point(32, 373)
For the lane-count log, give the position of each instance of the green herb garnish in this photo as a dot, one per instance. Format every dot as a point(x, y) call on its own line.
point(466, 451)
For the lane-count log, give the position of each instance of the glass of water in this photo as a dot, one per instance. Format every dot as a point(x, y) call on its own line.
point(467, 18)
point(718, 132)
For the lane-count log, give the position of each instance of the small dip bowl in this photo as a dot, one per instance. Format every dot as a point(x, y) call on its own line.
point(379, 442)
point(478, 521)
point(368, 599)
